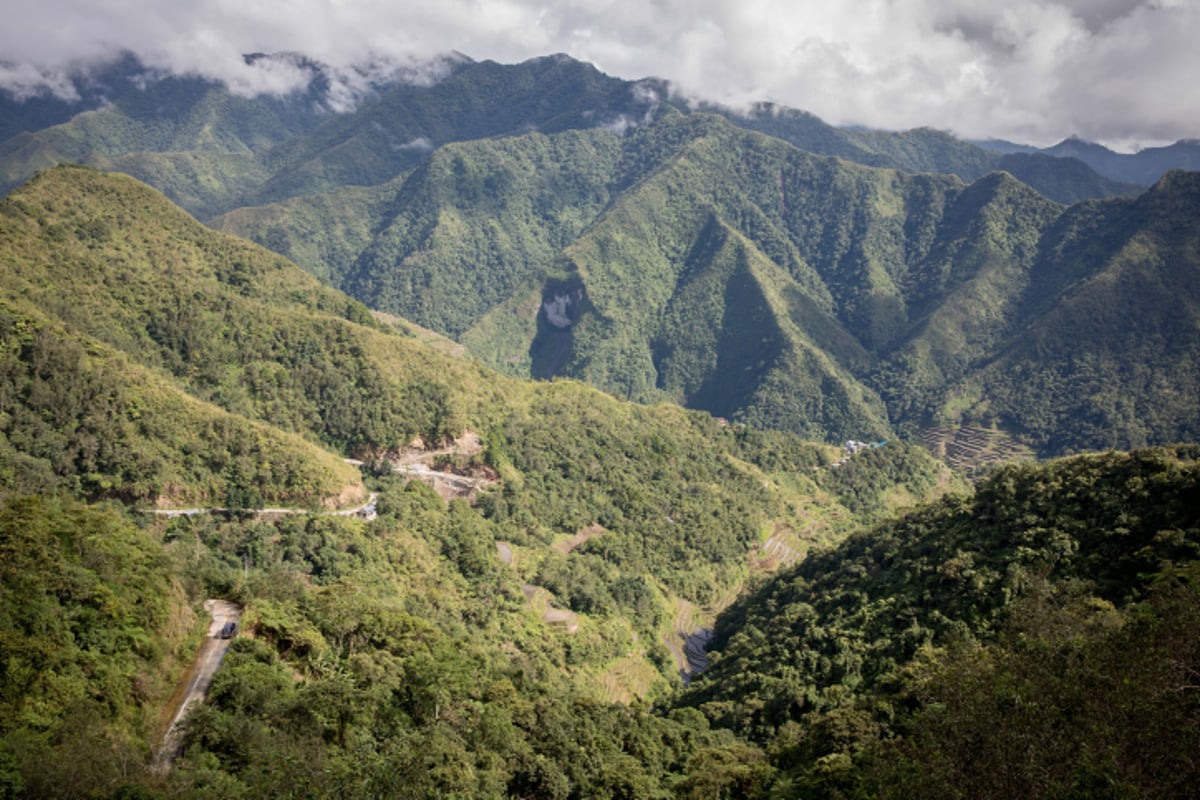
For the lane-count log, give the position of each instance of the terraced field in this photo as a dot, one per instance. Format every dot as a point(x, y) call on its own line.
point(971, 449)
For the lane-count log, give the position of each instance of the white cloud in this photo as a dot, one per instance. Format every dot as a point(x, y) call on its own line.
point(1036, 70)
point(24, 81)
point(421, 144)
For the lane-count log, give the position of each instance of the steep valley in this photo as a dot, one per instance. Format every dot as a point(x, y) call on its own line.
point(591, 443)
point(238, 378)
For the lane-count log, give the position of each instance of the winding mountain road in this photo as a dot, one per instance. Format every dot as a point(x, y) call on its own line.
point(366, 510)
point(194, 685)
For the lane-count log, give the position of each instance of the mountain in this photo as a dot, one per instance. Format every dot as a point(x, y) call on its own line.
point(23, 110)
point(1004, 146)
point(1037, 634)
point(1142, 168)
point(150, 361)
point(211, 150)
point(1059, 177)
point(915, 657)
point(562, 223)
point(194, 139)
point(1062, 178)
point(1126, 266)
point(694, 261)
point(115, 340)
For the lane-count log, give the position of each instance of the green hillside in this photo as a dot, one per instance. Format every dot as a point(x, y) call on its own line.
point(481, 222)
point(152, 361)
point(195, 140)
point(1039, 635)
point(231, 323)
point(81, 417)
point(94, 629)
point(115, 335)
point(1109, 356)
point(692, 261)
point(396, 130)
point(994, 642)
point(763, 267)
point(211, 150)
point(565, 594)
point(546, 192)
point(1064, 179)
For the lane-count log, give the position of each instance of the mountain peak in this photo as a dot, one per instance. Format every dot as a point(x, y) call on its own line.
point(555, 58)
point(1075, 143)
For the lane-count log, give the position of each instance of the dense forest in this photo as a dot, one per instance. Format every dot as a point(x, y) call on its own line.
point(150, 363)
point(578, 517)
point(1036, 639)
point(691, 260)
point(1033, 639)
point(526, 639)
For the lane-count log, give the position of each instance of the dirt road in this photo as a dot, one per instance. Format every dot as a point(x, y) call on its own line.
point(366, 510)
point(193, 687)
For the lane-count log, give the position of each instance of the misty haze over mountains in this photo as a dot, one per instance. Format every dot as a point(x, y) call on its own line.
point(1116, 71)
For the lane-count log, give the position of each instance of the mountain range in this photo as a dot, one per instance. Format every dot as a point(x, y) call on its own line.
point(764, 266)
point(151, 360)
point(1142, 168)
point(628, 599)
point(149, 363)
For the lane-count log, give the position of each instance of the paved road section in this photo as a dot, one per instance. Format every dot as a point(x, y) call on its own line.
point(194, 685)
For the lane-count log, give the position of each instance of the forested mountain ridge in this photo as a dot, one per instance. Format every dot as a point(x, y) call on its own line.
point(560, 222)
point(1142, 168)
point(981, 641)
point(1069, 380)
point(1037, 638)
point(692, 261)
point(1061, 177)
point(1028, 640)
point(97, 264)
point(178, 132)
point(150, 360)
point(209, 149)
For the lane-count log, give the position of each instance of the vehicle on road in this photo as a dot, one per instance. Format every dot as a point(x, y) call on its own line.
point(228, 630)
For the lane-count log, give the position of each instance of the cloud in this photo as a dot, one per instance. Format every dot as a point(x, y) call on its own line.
point(620, 125)
point(421, 144)
point(1034, 70)
point(24, 81)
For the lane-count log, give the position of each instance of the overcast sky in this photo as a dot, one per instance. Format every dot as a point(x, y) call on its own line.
point(1125, 72)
